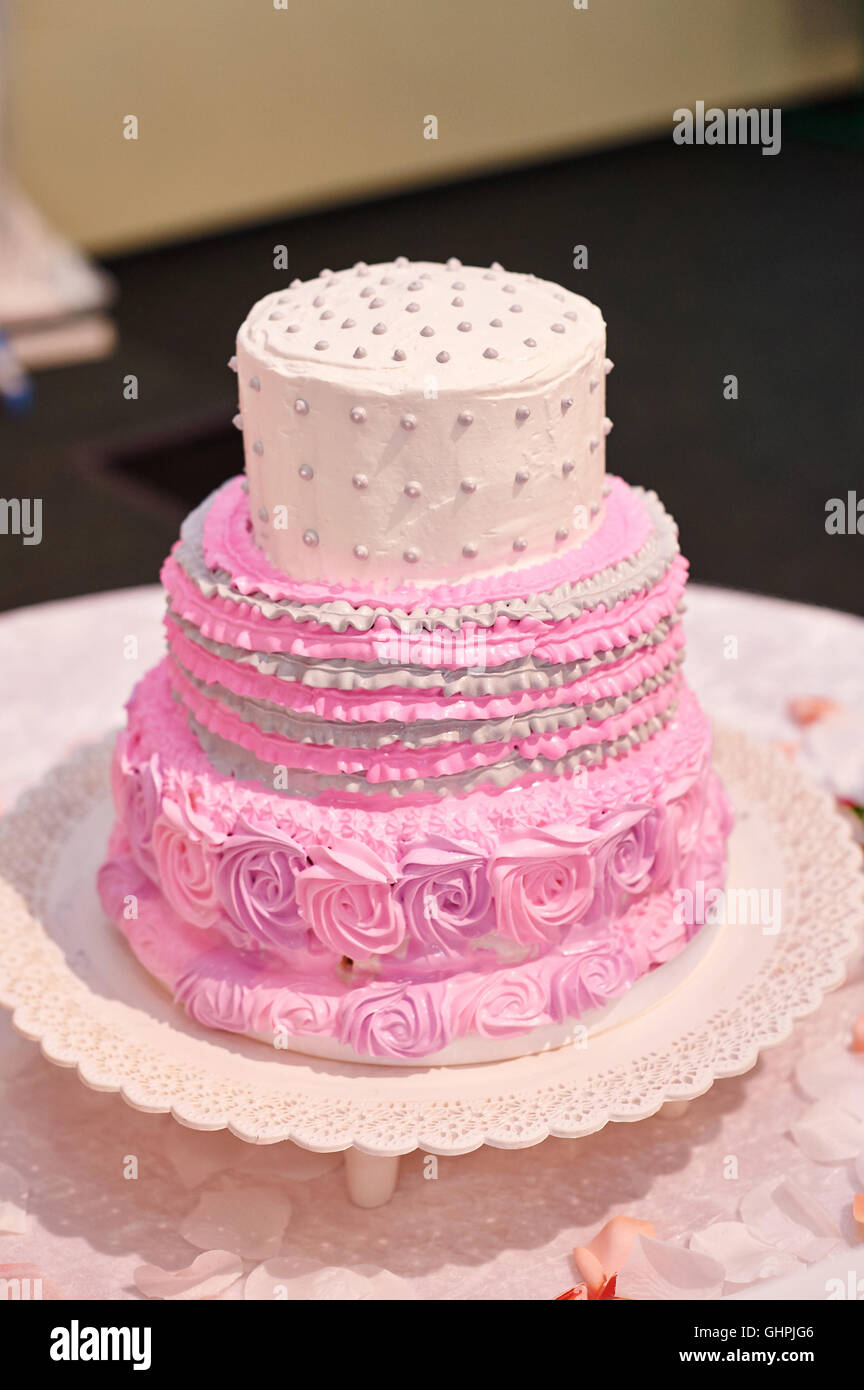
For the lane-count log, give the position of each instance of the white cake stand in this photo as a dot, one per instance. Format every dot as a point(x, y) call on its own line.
point(74, 986)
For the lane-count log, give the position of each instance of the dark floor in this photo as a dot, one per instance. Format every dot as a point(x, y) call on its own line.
point(706, 261)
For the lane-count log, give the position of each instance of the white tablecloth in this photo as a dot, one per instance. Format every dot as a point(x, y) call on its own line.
point(494, 1224)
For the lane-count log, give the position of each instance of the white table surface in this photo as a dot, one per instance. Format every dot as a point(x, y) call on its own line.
point(494, 1224)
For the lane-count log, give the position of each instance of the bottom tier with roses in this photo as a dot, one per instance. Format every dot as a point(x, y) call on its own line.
point(402, 934)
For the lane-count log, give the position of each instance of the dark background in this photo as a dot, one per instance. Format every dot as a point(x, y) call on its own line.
point(705, 261)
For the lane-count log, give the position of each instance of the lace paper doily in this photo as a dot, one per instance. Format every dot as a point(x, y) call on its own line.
point(90, 1006)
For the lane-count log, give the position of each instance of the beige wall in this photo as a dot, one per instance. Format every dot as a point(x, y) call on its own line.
point(246, 110)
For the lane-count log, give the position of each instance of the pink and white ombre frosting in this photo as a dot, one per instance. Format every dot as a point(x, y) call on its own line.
point(386, 821)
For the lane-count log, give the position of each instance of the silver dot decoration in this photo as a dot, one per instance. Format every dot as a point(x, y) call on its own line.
point(530, 342)
point(427, 332)
point(360, 352)
point(572, 315)
point(465, 417)
point(458, 285)
point(366, 292)
point(318, 301)
point(301, 406)
point(362, 552)
point(386, 280)
point(593, 383)
point(295, 284)
point(307, 472)
point(257, 447)
point(442, 357)
point(457, 301)
point(255, 383)
point(348, 323)
point(468, 484)
point(509, 289)
point(232, 364)
point(608, 364)
point(593, 443)
point(415, 286)
point(566, 404)
point(380, 328)
point(522, 475)
point(276, 315)
point(327, 314)
point(358, 414)
point(520, 543)
point(464, 326)
point(412, 489)
point(567, 467)
point(376, 303)
point(399, 355)
point(263, 514)
point(454, 263)
point(469, 550)
point(360, 481)
point(408, 422)
point(310, 537)
point(562, 533)
point(237, 422)
point(411, 556)
point(401, 261)
point(321, 345)
point(412, 308)
point(515, 308)
point(491, 352)
point(557, 328)
point(244, 486)
point(293, 328)
point(495, 323)
point(607, 425)
point(522, 412)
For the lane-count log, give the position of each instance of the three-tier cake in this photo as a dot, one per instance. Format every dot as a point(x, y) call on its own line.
point(419, 777)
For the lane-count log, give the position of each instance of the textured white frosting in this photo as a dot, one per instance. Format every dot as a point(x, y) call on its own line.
point(412, 421)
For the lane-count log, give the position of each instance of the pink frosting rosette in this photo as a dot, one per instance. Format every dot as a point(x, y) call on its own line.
point(256, 882)
point(137, 790)
point(393, 1020)
point(445, 894)
point(297, 1011)
point(186, 863)
point(346, 897)
point(221, 990)
point(590, 979)
point(625, 862)
point(543, 882)
point(501, 1005)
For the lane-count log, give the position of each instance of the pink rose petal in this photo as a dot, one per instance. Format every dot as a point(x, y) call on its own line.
point(26, 1281)
point(247, 1221)
point(785, 1216)
point(833, 1074)
point(13, 1201)
point(828, 1134)
point(606, 1253)
point(810, 709)
point(743, 1257)
point(858, 1035)
point(659, 1269)
point(297, 1277)
point(208, 1275)
point(197, 1155)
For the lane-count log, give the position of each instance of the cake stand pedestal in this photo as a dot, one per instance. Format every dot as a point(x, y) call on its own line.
point(73, 985)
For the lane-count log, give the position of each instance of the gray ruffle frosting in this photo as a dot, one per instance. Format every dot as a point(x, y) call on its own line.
point(567, 600)
point(523, 673)
point(233, 761)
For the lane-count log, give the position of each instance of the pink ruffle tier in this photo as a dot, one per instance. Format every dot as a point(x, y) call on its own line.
point(303, 851)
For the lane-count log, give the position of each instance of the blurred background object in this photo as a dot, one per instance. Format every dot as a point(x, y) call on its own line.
point(186, 145)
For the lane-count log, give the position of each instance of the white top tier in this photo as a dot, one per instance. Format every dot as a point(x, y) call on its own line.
point(419, 423)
